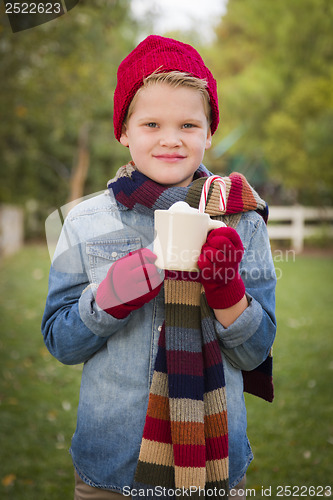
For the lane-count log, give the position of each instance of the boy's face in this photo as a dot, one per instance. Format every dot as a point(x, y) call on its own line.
point(167, 133)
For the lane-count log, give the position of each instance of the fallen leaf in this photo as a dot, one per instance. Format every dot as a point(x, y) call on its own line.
point(66, 405)
point(28, 482)
point(13, 401)
point(8, 480)
point(52, 416)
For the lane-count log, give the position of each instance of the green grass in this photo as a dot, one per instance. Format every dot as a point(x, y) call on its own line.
point(292, 438)
point(38, 395)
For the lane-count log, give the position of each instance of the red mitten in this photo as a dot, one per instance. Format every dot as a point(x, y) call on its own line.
point(219, 265)
point(131, 282)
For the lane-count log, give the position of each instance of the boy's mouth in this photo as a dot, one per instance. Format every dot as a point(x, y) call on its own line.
point(170, 157)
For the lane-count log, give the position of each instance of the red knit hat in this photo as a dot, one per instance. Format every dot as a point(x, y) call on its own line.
point(157, 53)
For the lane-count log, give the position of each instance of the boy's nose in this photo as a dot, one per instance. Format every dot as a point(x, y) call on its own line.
point(170, 139)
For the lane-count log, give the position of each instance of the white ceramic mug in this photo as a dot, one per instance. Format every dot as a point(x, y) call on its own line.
point(180, 233)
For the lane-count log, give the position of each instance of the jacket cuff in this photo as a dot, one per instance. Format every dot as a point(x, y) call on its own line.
point(243, 327)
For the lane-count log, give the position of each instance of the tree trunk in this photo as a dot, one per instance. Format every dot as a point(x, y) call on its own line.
point(80, 169)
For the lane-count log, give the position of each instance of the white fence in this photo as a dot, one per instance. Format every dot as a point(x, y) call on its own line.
point(298, 222)
point(11, 229)
point(294, 223)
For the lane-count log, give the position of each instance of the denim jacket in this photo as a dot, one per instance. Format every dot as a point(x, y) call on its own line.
point(118, 355)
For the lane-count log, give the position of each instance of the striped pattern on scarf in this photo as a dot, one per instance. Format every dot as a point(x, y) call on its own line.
point(137, 192)
point(185, 438)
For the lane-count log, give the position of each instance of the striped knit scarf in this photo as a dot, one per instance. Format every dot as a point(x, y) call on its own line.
point(185, 438)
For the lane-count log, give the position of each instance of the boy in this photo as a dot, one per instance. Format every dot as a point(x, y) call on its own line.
point(183, 343)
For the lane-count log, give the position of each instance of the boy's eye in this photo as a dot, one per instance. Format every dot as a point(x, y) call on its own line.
point(151, 125)
point(188, 125)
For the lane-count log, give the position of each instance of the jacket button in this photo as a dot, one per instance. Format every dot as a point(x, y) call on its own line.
point(114, 254)
point(159, 328)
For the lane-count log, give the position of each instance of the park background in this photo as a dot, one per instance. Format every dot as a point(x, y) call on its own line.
point(274, 67)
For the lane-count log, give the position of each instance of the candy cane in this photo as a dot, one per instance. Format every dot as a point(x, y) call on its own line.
point(205, 190)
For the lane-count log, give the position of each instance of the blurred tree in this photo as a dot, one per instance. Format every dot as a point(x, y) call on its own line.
point(57, 80)
point(274, 66)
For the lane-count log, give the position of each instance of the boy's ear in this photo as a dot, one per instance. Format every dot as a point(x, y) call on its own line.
point(124, 138)
point(209, 139)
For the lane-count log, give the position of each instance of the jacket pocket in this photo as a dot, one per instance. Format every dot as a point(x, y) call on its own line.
point(102, 254)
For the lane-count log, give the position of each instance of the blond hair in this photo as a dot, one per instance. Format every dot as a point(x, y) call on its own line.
point(175, 79)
